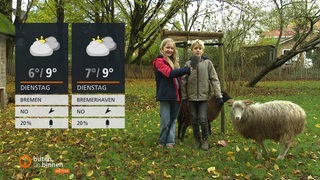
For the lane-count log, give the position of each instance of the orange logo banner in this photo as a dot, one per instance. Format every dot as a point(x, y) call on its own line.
point(25, 161)
point(61, 171)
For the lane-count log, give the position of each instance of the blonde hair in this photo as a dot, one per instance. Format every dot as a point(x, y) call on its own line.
point(197, 42)
point(173, 60)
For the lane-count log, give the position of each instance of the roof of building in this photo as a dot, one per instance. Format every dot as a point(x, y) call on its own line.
point(286, 32)
point(6, 26)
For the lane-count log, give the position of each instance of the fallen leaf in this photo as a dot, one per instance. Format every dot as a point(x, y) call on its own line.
point(90, 173)
point(297, 172)
point(150, 172)
point(274, 150)
point(237, 148)
point(166, 175)
point(310, 178)
point(268, 164)
point(222, 143)
point(64, 152)
point(317, 125)
point(276, 167)
point(231, 158)
point(212, 170)
point(230, 153)
point(19, 176)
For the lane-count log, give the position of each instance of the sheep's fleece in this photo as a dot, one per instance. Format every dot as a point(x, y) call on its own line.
point(280, 121)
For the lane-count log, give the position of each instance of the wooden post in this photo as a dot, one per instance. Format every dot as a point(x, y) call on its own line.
point(222, 81)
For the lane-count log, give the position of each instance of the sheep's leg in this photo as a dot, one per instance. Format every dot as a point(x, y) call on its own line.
point(259, 156)
point(260, 146)
point(209, 125)
point(179, 130)
point(265, 151)
point(284, 151)
point(183, 131)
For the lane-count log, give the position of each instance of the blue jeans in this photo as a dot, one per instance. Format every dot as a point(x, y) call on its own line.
point(168, 115)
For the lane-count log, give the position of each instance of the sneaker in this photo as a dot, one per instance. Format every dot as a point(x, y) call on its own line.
point(169, 146)
point(160, 146)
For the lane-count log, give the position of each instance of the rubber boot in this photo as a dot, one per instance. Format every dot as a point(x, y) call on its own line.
point(197, 143)
point(205, 145)
point(196, 135)
point(205, 135)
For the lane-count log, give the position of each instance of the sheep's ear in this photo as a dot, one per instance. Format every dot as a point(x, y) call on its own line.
point(248, 102)
point(230, 102)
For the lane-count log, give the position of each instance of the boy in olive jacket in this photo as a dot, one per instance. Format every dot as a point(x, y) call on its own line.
point(197, 88)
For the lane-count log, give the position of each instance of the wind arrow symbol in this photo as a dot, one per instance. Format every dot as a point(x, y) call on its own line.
point(51, 110)
point(108, 110)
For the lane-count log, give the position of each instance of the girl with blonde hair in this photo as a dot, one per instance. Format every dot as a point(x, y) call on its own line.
point(167, 73)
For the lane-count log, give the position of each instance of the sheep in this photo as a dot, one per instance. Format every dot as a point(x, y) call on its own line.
point(185, 117)
point(280, 121)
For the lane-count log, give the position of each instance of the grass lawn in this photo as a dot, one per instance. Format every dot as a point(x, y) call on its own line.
point(131, 153)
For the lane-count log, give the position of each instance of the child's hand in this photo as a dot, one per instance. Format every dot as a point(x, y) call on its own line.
point(194, 61)
point(219, 101)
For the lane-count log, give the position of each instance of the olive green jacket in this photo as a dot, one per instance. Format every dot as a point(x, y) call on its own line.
point(202, 83)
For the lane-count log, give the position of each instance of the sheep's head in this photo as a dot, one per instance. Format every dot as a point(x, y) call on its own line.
point(238, 107)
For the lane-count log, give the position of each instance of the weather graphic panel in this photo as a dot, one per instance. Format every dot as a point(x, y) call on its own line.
point(41, 76)
point(98, 58)
point(41, 58)
point(98, 76)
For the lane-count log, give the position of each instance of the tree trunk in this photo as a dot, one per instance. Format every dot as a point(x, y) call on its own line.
point(18, 20)
point(60, 11)
point(261, 74)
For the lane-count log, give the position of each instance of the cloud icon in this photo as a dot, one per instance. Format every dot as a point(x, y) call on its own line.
point(44, 47)
point(101, 47)
point(53, 43)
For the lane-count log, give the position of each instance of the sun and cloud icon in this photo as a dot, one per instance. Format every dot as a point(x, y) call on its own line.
point(44, 46)
point(99, 47)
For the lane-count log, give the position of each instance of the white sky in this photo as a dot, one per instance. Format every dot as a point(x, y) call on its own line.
point(24, 4)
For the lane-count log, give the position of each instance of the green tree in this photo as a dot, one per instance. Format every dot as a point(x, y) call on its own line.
point(6, 8)
point(145, 20)
point(190, 12)
point(98, 11)
point(303, 15)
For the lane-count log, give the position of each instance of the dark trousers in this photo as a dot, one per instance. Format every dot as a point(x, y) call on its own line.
point(199, 110)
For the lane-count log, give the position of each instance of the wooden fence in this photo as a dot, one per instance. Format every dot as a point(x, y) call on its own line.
point(243, 74)
point(287, 73)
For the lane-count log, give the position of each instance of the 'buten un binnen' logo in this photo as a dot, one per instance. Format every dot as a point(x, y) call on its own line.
point(25, 161)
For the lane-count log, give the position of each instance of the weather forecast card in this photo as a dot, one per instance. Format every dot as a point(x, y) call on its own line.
point(42, 58)
point(98, 99)
point(98, 58)
point(41, 76)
